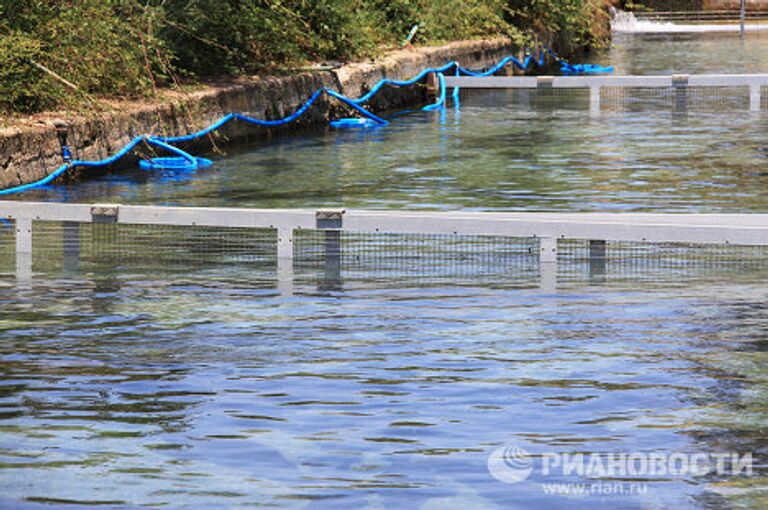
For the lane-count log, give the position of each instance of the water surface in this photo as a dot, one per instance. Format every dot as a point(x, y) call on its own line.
point(141, 382)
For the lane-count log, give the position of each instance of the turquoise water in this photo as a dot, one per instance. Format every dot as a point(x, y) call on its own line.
point(137, 382)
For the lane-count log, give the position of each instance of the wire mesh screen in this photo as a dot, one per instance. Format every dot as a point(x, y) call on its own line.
point(621, 99)
point(364, 255)
point(56, 243)
point(7, 246)
point(539, 99)
point(672, 260)
point(335, 255)
point(689, 98)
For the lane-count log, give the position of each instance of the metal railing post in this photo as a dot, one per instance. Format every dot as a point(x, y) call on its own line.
point(547, 250)
point(285, 261)
point(594, 100)
point(754, 98)
point(548, 264)
point(23, 248)
point(743, 16)
point(331, 221)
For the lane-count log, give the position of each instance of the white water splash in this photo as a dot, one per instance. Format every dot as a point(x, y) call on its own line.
point(626, 22)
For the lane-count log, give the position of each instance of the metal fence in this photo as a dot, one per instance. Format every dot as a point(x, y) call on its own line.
point(701, 16)
point(374, 244)
point(677, 92)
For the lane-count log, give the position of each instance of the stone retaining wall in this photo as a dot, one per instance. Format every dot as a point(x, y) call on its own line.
point(30, 148)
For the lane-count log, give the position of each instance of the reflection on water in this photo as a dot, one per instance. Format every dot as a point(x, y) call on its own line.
point(140, 382)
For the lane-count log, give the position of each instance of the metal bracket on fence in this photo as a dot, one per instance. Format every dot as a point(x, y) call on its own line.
point(679, 80)
point(326, 219)
point(105, 213)
point(544, 82)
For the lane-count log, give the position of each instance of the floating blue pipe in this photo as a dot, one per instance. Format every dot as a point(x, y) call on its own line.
point(170, 148)
point(279, 122)
point(41, 182)
point(90, 164)
point(403, 83)
point(111, 159)
point(193, 136)
point(523, 66)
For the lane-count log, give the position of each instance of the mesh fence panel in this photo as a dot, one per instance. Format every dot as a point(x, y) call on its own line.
point(413, 255)
point(671, 261)
point(333, 254)
point(622, 99)
point(55, 242)
point(7, 246)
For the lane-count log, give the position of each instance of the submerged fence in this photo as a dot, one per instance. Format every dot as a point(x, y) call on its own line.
point(679, 92)
point(701, 16)
point(375, 242)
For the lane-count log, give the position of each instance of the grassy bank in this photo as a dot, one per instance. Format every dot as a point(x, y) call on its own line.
point(131, 48)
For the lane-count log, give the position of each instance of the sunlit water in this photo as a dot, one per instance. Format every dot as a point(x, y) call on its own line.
point(137, 384)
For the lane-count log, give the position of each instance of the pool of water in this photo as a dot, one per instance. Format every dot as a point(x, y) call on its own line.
point(498, 153)
point(691, 53)
point(130, 387)
point(128, 384)
point(483, 157)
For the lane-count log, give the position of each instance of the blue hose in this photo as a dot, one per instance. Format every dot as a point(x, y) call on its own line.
point(441, 96)
point(187, 160)
point(403, 83)
point(36, 184)
point(72, 164)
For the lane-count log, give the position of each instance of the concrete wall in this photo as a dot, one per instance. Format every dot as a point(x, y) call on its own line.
point(30, 150)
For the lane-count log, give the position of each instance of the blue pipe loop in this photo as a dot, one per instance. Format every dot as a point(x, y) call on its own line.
point(440, 103)
point(72, 164)
point(182, 160)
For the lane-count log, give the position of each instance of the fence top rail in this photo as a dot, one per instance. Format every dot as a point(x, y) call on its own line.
point(743, 229)
point(678, 80)
point(707, 13)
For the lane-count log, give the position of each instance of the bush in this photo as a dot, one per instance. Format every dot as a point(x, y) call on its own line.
point(99, 45)
point(127, 47)
point(21, 86)
point(569, 25)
